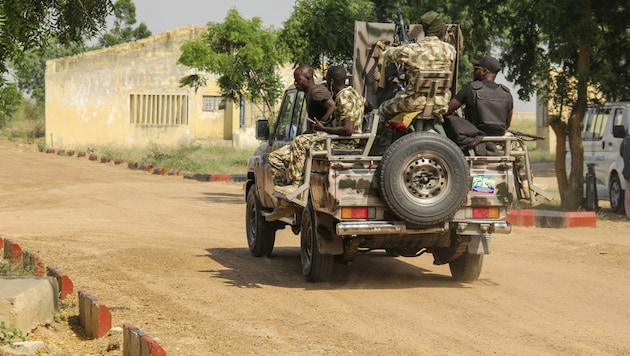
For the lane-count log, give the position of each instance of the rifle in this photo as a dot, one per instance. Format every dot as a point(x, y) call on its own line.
point(401, 30)
point(523, 134)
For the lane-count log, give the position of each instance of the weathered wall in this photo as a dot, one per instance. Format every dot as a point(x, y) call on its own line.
point(88, 96)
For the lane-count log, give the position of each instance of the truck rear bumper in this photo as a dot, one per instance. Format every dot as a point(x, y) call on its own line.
point(349, 228)
point(346, 228)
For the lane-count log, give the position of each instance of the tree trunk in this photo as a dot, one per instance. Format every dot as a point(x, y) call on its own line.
point(572, 200)
point(560, 130)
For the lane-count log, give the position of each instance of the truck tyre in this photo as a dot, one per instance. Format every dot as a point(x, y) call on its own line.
point(616, 194)
point(261, 234)
point(466, 267)
point(315, 266)
point(424, 178)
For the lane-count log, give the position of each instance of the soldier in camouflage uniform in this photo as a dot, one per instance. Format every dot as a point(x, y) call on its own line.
point(348, 114)
point(430, 53)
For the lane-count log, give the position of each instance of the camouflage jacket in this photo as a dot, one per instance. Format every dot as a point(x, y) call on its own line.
point(349, 105)
point(430, 53)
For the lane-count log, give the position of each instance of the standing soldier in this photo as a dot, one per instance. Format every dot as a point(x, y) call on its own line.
point(624, 150)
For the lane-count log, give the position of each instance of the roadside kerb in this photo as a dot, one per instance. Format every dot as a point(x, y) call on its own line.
point(551, 219)
point(66, 287)
point(137, 343)
point(202, 177)
point(94, 316)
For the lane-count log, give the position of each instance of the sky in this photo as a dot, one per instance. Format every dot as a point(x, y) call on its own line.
point(164, 15)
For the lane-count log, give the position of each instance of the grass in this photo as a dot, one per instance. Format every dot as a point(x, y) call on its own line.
point(194, 158)
point(9, 334)
point(10, 269)
point(526, 122)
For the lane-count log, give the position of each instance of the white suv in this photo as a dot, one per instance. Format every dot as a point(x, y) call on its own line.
point(603, 129)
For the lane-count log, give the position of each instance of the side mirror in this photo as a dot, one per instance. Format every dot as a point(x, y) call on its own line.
point(619, 131)
point(262, 130)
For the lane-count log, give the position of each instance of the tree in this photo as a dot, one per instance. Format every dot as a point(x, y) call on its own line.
point(30, 23)
point(564, 50)
point(30, 73)
point(243, 54)
point(10, 99)
point(123, 31)
point(321, 32)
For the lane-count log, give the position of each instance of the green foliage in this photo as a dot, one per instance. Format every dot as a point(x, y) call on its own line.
point(9, 334)
point(27, 122)
point(123, 31)
point(29, 24)
point(542, 37)
point(563, 51)
point(321, 32)
point(30, 72)
point(10, 99)
point(244, 56)
point(30, 69)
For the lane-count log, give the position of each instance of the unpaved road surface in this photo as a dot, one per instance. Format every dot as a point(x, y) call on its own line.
point(170, 256)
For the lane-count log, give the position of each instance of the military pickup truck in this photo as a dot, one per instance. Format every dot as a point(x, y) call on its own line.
point(407, 195)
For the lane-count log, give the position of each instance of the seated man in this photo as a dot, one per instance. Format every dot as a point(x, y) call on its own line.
point(430, 53)
point(348, 119)
point(488, 105)
point(319, 105)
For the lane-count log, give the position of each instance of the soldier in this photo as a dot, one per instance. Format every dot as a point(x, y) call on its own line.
point(319, 106)
point(430, 53)
point(348, 119)
point(488, 105)
point(624, 150)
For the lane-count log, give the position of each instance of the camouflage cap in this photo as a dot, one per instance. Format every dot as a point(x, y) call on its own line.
point(490, 63)
point(431, 22)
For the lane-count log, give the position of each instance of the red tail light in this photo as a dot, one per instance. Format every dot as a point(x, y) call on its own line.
point(359, 212)
point(484, 212)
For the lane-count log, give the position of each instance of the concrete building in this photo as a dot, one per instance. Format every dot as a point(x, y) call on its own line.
point(129, 95)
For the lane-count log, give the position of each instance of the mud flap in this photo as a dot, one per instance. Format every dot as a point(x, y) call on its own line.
point(329, 245)
point(479, 245)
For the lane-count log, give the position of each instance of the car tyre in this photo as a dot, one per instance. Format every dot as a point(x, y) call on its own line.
point(424, 178)
point(315, 265)
point(616, 195)
point(261, 234)
point(467, 267)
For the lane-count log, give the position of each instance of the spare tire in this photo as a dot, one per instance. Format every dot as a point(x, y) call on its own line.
point(424, 178)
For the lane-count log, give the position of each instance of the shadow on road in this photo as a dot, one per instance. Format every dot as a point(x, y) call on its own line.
point(227, 198)
point(373, 270)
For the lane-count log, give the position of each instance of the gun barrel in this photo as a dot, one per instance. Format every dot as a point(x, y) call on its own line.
point(401, 28)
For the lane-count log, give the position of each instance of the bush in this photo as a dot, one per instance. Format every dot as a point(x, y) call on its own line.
point(27, 123)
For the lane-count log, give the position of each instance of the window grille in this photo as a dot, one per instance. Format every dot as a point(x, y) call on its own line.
point(211, 103)
point(158, 109)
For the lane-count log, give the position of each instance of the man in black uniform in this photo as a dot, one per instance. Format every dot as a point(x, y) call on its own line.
point(488, 105)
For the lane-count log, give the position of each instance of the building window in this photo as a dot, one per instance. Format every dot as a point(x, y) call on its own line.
point(250, 112)
point(211, 103)
point(158, 109)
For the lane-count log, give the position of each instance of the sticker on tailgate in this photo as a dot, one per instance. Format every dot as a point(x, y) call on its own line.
point(484, 184)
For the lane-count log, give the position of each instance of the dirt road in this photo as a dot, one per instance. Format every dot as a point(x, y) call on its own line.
point(170, 256)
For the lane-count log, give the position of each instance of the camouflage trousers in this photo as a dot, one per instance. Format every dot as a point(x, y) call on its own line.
point(403, 103)
point(292, 157)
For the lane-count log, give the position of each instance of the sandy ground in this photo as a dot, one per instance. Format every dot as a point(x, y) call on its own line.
point(170, 256)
